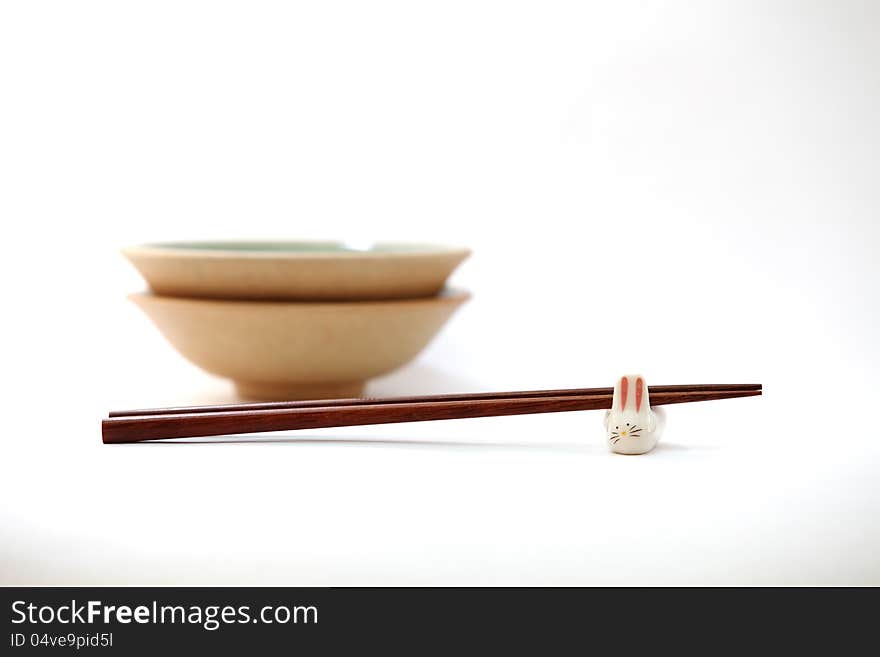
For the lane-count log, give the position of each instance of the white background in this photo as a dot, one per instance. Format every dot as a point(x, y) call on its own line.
point(686, 189)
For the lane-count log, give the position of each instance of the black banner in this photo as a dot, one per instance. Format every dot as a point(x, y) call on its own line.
point(134, 621)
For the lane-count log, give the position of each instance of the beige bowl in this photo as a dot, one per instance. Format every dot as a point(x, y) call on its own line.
point(275, 350)
point(317, 271)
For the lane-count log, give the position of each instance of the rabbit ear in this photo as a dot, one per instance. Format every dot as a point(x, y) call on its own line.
point(623, 386)
point(642, 400)
point(643, 396)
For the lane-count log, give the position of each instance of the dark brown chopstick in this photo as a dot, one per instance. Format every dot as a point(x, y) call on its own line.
point(365, 401)
point(183, 425)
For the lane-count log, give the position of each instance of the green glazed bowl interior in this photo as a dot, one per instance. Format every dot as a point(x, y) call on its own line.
point(303, 247)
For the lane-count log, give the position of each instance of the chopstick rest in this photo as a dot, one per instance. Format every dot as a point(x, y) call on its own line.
point(632, 426)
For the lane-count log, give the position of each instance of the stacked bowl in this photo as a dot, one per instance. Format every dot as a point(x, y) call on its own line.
point(298, 320)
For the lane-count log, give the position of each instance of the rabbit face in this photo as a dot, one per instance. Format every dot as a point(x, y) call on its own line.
point(625, 430)
point(631, 423)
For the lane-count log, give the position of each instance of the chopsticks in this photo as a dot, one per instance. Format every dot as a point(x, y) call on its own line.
point(200, 421)
point(363, 401)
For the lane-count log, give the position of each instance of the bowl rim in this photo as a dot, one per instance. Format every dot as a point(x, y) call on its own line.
point(214, 249)
point(451, 295)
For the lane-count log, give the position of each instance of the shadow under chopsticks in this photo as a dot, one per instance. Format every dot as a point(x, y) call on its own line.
point(262, 439)
point(411, 443)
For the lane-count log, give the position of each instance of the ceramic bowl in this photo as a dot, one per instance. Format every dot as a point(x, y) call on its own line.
point(316, 271)
point(277, 350)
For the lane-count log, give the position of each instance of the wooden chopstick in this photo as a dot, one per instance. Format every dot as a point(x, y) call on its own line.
point(365, 401)
point(128, 429)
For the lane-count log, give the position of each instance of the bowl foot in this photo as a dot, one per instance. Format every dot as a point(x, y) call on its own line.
point(282, 391)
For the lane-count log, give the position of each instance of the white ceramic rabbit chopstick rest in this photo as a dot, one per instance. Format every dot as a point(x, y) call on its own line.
point(633, 427)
